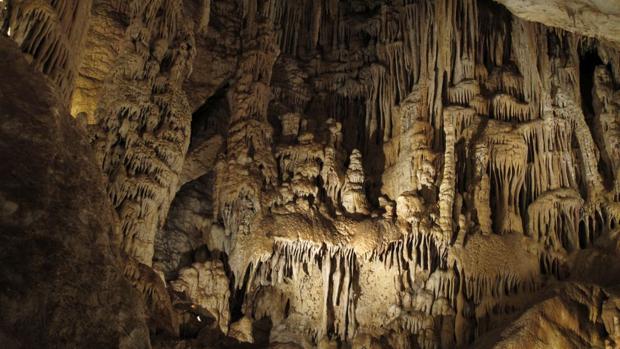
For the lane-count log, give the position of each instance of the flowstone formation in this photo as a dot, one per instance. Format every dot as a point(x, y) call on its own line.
point(349, 174)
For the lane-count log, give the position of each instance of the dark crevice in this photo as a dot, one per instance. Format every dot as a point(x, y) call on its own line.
point(211, 118)
point(238, 295)
point(588, 63)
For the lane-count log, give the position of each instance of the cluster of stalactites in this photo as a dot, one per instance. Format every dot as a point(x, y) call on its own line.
point(144, 118)
point(497, 296)
point(249, 167)
point(416, 251)
point(485, 104)
point(338, 267)
point(552, 162)
point(50, 33)
point(554, 219)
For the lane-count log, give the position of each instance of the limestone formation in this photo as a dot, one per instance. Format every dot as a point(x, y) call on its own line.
point(50, 33)
point(337, 174)
point(596, 18)
point(143, 121)
point(206, 284)
point(353, 191)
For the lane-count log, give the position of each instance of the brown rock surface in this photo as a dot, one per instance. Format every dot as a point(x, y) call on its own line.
point(334, 174)
point(595, 18)
point(61, 278)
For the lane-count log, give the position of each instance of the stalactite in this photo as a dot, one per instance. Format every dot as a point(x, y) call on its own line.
point(524, 39)
point(507, 169)
point(448, 181)
point(144, 120)
point(463, 92)
point(443, 86)
point(338, 268)
point(50, 32)
point(554, 219)
point(551, 162)
point(507, 108)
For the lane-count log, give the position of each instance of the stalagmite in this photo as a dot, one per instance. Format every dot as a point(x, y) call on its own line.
point(446, 189)
point(353, 193)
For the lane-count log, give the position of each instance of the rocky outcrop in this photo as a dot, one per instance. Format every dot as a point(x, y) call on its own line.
point(595, 18)
point(217, 47)
point(572, 317)
point(102, 46)
point(62, 283)
point(206, 284)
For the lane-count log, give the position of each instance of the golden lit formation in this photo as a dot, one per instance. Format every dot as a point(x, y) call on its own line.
point(310, 173)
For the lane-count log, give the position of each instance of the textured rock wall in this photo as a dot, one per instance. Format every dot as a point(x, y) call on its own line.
point(50, 33)
point(143, 120)
point(444, 144)
point(595, 18)
point(410, 173)
point(61, 275)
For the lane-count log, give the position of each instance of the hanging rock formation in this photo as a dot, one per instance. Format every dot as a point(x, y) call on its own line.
point(143, 121)
point(596, 18)
point(50, 33)
point(344, 174)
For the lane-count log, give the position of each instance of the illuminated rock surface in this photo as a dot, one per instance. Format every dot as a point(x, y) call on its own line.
point(313, 173)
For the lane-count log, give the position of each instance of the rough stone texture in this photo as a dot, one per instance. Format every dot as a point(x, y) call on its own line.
point(101, 48)
point(143, 121)
point(61, 276)
point(242, 330)
point(217, 49)
point(595, 18)
point(368, 173)
point(206, 284)
point(573, 317)
point(189, 222)
point(50, 33)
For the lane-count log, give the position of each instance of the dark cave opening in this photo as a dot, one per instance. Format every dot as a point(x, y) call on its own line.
point(238, 295)
point(588, 63)
point(211, 117)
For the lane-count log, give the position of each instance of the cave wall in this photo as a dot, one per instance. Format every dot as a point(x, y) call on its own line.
point(50, 33)
point(400, 174)
point(443, 145)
